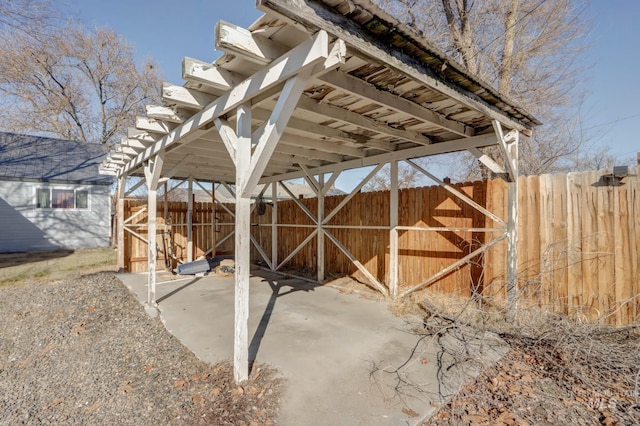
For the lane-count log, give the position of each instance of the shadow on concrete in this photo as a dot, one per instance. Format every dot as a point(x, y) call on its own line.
point(296, 285)
point(179, 289)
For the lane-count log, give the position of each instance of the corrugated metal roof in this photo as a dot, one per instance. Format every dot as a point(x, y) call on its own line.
point(39, 158)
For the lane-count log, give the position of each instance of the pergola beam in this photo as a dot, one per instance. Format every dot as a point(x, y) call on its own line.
point(313, 15)
point(313, 53)
point(306, 127)
point(152, 125)
point(165, 113)
point(236, 40)
point(209, 74)
point(267, 137)
point(419, 151)
point(489, 162)
point(350, 117)
point(356, 86)
point(185, 97)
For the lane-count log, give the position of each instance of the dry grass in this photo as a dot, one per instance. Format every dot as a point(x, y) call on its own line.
point(16, 268)
point(576, 370)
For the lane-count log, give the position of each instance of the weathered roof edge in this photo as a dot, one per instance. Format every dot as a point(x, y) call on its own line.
point(57, 181)
point(380, 26)
point(452, 66)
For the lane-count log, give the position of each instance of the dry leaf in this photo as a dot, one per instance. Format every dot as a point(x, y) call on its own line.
point(507, 418)
point(409, 412)
point(197, 398)
point(53, 403)
point(126, 387)
point(196, 377)
point(148, 368)
point(215, 392)
point(80, 328)
point(527, 378)
point(93, 407)
point(91, 308)
point(607, 419)
point(47, 349)
point(180, 383)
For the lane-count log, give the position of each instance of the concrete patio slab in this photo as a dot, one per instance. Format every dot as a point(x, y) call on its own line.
point(346, 359)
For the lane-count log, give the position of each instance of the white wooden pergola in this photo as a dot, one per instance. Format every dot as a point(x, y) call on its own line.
point(311, 89)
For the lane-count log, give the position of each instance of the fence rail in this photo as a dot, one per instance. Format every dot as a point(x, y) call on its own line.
point(579, 239)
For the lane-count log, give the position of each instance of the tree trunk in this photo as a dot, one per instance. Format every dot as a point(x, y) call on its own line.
point(506, 67)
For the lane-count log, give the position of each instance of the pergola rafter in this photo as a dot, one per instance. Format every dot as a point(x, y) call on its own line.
point(313, 88)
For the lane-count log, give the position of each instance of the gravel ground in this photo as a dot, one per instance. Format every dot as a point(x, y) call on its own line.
point(83, 351)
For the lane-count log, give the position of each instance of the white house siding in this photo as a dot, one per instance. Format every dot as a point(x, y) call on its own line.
point(24, 227)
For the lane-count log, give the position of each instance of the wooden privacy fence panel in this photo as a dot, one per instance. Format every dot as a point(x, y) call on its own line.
point(578, 245)
point(135, 250)
point(578, 240)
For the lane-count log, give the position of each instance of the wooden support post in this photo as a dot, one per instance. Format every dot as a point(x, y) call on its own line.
point(320, 236)
point(190, 219)
point(512, 232)
point(165, 208)
point(214, 218)
point(122, 183)
point(242, 245)
point(393, 232)
point(152, 170)
point(152, 247)
point(508, 144)
point(274, 225)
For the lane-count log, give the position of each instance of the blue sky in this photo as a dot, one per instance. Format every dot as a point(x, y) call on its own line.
point(170, 30)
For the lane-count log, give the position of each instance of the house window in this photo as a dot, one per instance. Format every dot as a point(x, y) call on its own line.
point(48, 198)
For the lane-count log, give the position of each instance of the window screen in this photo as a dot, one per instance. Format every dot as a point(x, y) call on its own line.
point(43, 200)
point(82, 200)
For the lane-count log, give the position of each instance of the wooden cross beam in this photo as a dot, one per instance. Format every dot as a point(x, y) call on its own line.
point(314, 54)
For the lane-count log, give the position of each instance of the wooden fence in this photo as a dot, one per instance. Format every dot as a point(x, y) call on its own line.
point(578, 245)
point(173, 237)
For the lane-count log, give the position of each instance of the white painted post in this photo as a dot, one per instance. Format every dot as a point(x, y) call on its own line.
point(190, 219)
point(165, 208)
point(320, 235)
point(152, 250)
point(274, 226)
point(122, 182)
point(512, 230)
point(213, 218)
point(152, 170)
point(393, 231)
point(242, 244)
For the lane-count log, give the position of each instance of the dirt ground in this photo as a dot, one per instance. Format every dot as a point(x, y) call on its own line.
point(77, 348)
